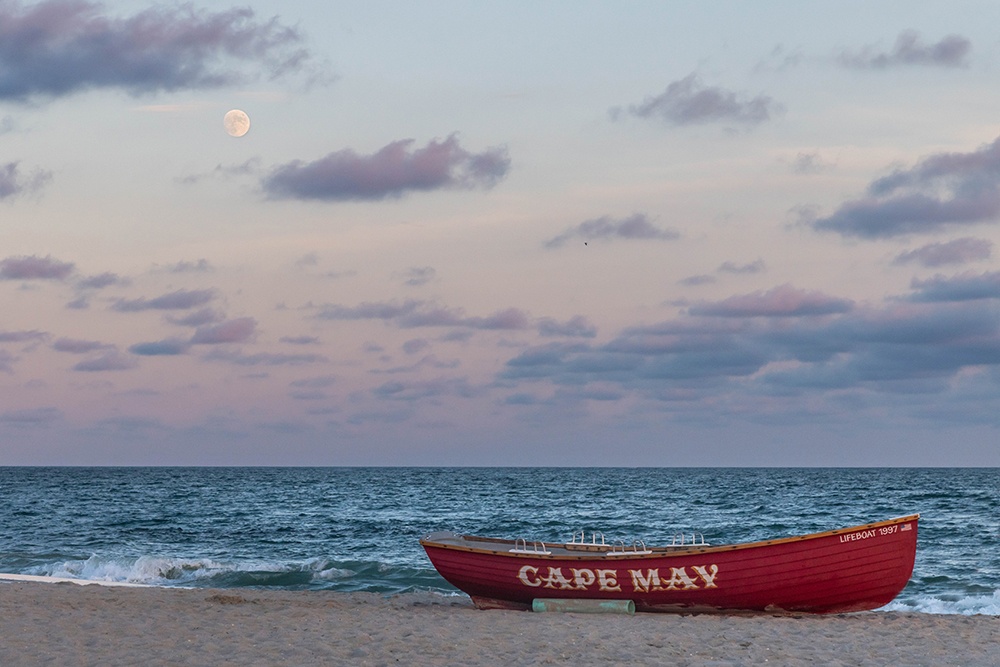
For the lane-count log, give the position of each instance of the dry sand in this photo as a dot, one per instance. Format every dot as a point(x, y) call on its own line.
point(65, 624)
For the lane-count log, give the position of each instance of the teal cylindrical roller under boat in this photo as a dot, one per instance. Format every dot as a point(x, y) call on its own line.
point(584, 606)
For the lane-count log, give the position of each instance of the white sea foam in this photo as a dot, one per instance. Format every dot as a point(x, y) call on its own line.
point(160, 571)
point(968, 606)
point(145, 569)
point(333, 573)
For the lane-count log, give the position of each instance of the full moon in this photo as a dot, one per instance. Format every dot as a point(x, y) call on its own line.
point(236, 122)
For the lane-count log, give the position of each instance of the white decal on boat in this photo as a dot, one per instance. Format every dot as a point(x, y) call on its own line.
point(861, 535)
point(526, 576)
point(702, 572)
point(582, 579)
point(608, 580)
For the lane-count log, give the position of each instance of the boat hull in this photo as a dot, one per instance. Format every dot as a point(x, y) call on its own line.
point(851, 569)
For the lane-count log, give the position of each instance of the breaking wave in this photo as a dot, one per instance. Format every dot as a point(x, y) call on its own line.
point(312, 574)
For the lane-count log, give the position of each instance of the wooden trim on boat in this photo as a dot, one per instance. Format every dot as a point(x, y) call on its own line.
point(600, 551)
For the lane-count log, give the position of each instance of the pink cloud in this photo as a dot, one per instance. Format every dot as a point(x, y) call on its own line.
point(75, 346)
point(390, 172)
point(231, 331)
point(958, 251)
point(782, 301)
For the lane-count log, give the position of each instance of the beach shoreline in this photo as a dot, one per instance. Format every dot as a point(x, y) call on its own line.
point(62, 623)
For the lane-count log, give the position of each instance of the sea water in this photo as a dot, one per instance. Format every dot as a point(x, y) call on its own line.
point(357, 529)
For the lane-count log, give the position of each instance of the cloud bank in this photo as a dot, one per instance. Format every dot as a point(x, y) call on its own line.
point(391, 172)
point(786, 354)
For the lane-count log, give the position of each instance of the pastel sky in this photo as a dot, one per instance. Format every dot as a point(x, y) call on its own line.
point(518, 233)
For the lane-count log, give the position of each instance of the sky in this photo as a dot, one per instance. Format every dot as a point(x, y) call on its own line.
point(521, 233)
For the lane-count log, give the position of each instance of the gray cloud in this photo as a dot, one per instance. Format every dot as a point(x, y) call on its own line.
point(198, 318)
point(426, 361)
point(606, 228)
point(418, 275)
point(58, 47)
point(391, 172)
point(688, 101)
point(959, 251)
point(963, 287)
point(299, 340)
point(7, 362)
point(418, 390)
point(510, 319)
point(694, 281)
point(251, 167)
point(809, 163)
point(369, 311)
point(117, 428)
point(101, 280)
point(415, 345)
point(199, 266)
point(13, 182)
point(321, 382)
point(177, 300)
point(309, 259)
point(31, 418)
point(577, 326)
point(940, 192)
point(76, 346)
point(34, 268)
point(109, 361)
point(264, 358)
point(910, 50)
point(308, 395)
point(164, 348)
point(32, 336)
point(757, 266)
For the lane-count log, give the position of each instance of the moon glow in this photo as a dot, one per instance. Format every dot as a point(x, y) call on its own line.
point(236, 122)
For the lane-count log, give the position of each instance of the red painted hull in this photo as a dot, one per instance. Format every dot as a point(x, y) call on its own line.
point(851, 569)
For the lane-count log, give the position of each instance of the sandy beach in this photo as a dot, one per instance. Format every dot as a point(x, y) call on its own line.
point(66, 624)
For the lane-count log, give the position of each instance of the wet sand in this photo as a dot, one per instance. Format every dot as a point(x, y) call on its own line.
point(66, 624)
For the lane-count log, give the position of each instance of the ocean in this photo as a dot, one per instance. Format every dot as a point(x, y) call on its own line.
point(357, 529)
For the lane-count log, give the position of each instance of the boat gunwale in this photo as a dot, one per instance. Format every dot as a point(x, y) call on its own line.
point(601, 552)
